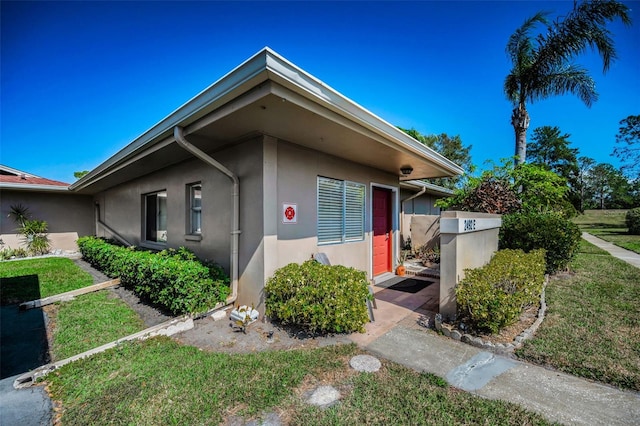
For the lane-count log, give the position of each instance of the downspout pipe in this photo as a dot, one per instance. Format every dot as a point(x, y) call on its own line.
point(178, 134)
point(416, 195)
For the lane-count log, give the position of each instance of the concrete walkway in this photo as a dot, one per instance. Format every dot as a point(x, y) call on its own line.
point(628, 256)
point(557, 396)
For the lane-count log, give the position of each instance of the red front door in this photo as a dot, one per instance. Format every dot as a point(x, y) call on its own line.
point(381, 231)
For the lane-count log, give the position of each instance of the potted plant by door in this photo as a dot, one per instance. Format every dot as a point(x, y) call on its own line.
point(400, 269)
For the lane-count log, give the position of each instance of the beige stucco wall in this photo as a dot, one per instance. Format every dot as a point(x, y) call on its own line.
point(298, 170)
point(463, 250)
point(68, 216)
point(121, 207)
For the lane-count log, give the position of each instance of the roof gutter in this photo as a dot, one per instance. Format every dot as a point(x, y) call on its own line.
point(178, 134)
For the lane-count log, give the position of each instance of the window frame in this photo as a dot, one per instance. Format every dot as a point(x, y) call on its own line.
point(349, 216)
point(146, 226)
point(193, 210)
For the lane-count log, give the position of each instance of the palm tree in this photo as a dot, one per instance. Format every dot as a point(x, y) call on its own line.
point(542, 64)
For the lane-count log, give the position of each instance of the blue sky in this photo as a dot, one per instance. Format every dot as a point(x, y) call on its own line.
point(80, 80)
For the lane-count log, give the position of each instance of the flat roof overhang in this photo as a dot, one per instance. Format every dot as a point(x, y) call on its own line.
point(268, 95)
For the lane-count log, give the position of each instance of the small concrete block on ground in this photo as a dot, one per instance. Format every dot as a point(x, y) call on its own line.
point(365, 363)
point(324, 396)
point(219, 315)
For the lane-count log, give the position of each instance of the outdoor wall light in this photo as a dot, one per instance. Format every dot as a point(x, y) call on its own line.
point(406, 170)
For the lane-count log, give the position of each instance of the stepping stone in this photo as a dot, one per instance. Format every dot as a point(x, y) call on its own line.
point(324, 396)
point(366, 363)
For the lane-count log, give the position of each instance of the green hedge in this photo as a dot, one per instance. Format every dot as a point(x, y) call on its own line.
point(632, 220)
point(549, 231)
point(318, 298)
point(173, 279)
point(495, 295)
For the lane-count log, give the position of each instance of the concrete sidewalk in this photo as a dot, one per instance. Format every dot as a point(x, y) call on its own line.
point(628, 256)
point(557, 396)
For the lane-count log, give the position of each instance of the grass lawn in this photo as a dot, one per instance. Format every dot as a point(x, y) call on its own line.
point(89, 321)
point(159, 381)
point(30, 279)
point(592, 327)
point(84, 323)
point(610, 226)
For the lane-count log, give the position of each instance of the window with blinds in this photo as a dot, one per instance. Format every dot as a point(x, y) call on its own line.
point(340, 211)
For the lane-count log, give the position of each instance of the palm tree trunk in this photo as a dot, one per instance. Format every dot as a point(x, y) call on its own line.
point(520, 122)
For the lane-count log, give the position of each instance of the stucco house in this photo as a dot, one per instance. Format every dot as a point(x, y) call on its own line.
point(68, 215)
point(265, 167)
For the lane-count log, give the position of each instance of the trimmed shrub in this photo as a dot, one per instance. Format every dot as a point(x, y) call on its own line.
point(173, 279)
point(319, 298)
point(632, 219)
point(529, 231)
point(495, 295)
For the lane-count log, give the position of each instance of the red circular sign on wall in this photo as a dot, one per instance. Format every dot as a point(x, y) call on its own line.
point(289, 213)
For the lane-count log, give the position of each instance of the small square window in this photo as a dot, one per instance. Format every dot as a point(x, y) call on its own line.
point(195, 208)
point(156, 217)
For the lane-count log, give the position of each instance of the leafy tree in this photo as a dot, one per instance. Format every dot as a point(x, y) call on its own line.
point(628, 150)
point(79, 175)
point(551, 149)
point(582, 175)
point(609, 187)
point(451, 148)
point(535, 189)
point(541, 190)
point(542, 63)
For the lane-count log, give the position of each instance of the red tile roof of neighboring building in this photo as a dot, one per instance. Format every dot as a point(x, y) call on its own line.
point(16, 178)
point(30, 180)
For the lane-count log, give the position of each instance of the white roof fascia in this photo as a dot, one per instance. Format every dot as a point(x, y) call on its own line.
point(283, 71)
point(36, 187)
point(17, 172)
point(430, 186)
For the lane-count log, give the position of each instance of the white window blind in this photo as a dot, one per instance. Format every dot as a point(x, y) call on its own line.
point(340, 211)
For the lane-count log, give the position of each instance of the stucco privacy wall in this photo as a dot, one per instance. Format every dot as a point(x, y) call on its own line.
point(467, 240)
point(68, 216)
point(423, 230)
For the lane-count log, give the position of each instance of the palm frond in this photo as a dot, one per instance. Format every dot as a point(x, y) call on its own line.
point(512, 87)
point(583, 28)
point(562, 80)
point(520, 40)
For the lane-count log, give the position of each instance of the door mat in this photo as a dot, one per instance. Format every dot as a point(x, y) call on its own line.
point(409, 285)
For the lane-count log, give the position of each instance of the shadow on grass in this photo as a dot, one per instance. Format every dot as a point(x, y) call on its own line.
point(601, 225)
point(15, 290)
point(23, 333)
